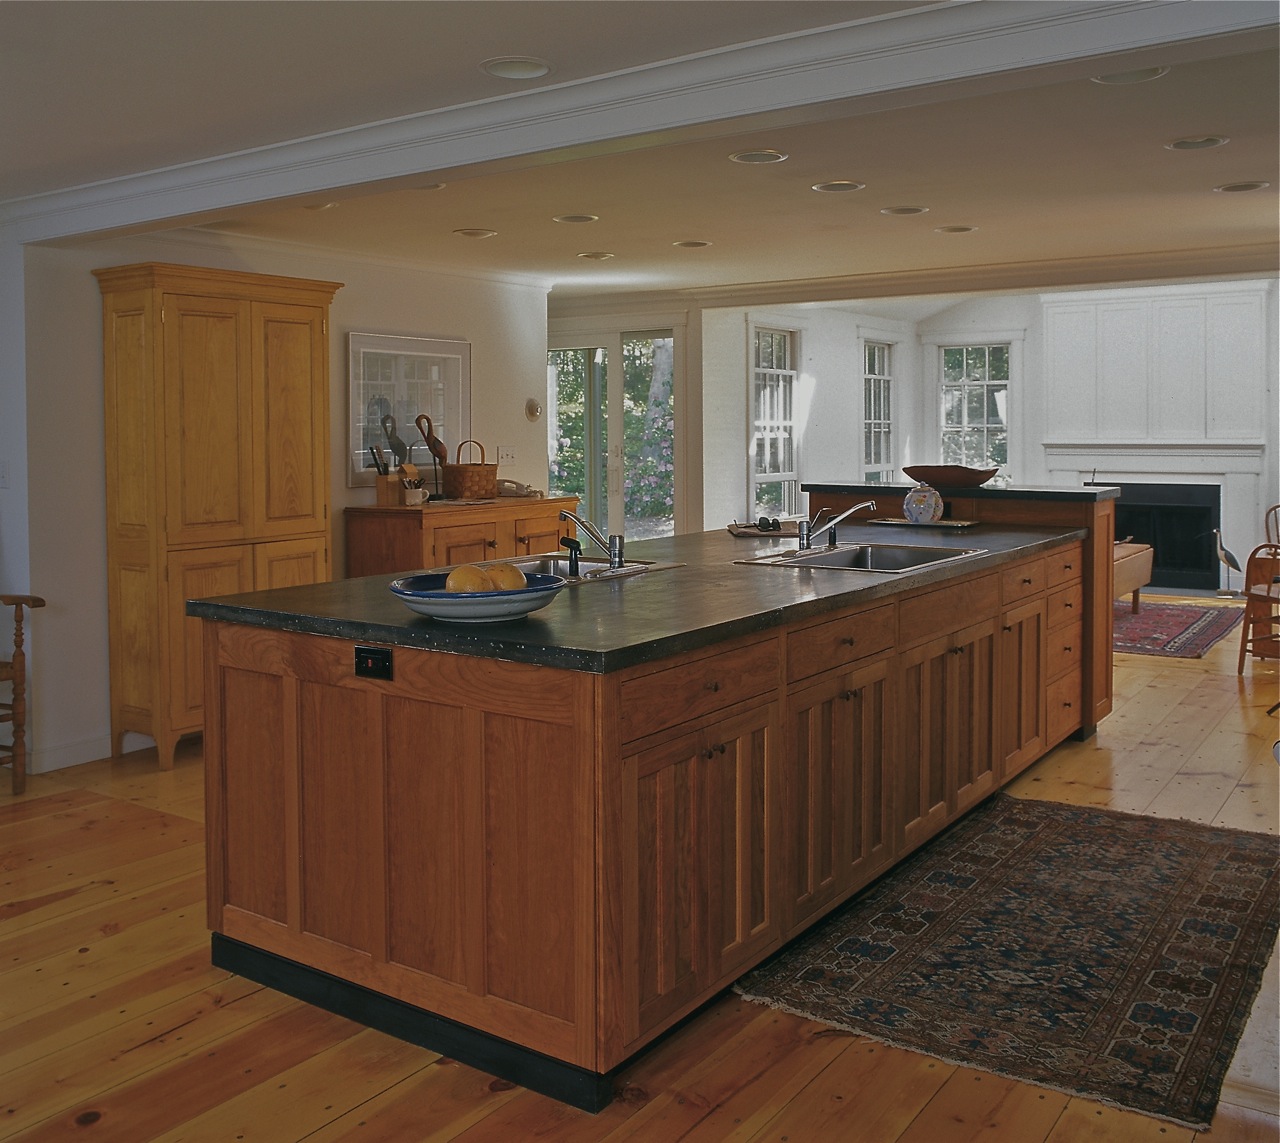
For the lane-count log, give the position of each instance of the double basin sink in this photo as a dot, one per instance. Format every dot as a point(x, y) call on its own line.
point(882, 558)
point(885, 558)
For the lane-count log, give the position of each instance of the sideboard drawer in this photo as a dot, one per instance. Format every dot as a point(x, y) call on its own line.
point(1065, 566)
point(1022, 581)
point(835, 642)
point(1066, 605)
point(692, 688)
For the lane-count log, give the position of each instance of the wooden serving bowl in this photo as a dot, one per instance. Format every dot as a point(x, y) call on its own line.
point(950, 475)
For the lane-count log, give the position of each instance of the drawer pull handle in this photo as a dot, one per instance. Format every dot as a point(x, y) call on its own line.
point(1068, 648)
point(1027, 581)
point(853, 694)
point(491, 543)
point(1070, 606)
point(957, 650)
point(522, 539)
point(713, 686)
point(1008, 627)
point(712, 751)
point(1066, 706)
point(848, 641)
point(1068, 567)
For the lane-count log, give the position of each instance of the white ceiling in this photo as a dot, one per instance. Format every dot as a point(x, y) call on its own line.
point(1048, 166)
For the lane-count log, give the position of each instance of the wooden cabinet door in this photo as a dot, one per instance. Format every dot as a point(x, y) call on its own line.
point(738, 790)
point(949, 750)
point(196, 574)
point(836, 789)
point(664, 942)
point(208, 496)
point(536, 534)
point(290, 409)
point(290, 563)
point(1020, 700)
point(465, 543)
point(699, 818)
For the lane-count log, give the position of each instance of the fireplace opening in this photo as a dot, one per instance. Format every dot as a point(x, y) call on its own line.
point(1177, 520)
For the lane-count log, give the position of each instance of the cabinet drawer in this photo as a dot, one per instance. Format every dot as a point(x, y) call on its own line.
point(1066, 605)
point(1064, 566)
point(693, 688)
point(1064, 649)
point(1062, 714)
point(811, 650)
point(923, 617)
point(1022, 581)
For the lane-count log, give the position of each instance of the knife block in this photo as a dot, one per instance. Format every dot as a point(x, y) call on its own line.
point(390, 491)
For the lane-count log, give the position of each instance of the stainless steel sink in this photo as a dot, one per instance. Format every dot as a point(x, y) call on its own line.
point(888, 558)
point(590, 568)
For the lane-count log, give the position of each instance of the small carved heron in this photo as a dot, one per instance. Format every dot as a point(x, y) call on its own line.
point(1227, 557)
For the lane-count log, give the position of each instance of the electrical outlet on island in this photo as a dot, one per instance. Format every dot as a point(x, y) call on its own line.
point(506, 455)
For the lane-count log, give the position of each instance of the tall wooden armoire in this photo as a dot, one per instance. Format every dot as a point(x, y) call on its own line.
point(217, 442)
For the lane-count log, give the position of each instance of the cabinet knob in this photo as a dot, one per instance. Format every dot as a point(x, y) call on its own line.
point(713, 686)
point(853, 694)
point(1068, 648)
point(522, 539)
point(848, 641)
point(1007, 627)
point(491, 543)
point(1070, 606)
point(711, 751)
point(957, 650)
point(1027, 581)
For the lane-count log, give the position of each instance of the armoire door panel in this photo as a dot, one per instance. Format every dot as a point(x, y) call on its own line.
point(291, 420)
point(207, 426)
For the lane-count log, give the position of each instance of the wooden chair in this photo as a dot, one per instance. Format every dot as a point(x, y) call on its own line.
point(1260, 631)
point(14, 670)
point(1273, 524)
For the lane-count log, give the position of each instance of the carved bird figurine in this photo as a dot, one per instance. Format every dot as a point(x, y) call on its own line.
point(435, 445)
point(399, 449)
point(1227, 557)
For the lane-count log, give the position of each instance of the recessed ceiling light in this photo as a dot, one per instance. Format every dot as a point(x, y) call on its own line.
point(765, 156)
point(1232, 188)
point(1197, 143)
point(691, 244)
point(576, 218)
point(955, 229)
point(475, 232)
point(1138, 75)
point(904, 210)
point(836, 186)
point(516, 67)
point(596, 255)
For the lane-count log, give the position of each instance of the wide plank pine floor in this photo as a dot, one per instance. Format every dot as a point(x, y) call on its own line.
point(114, 1027)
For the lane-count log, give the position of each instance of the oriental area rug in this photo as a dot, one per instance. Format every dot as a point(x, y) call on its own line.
point(1176, 630)
point(1100, 954)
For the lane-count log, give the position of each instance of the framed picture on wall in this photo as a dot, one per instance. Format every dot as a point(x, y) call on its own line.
point(393, 381)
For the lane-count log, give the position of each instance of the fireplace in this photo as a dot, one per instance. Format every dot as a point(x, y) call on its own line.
point(1177, 520)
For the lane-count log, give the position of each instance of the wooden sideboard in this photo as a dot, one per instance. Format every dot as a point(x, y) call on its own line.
point(388, 540)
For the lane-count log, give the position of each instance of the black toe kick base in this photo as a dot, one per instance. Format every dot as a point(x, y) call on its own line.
point(578, 1087)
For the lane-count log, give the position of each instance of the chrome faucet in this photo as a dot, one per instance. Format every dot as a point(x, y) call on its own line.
point(806, 528)
point(612, 547)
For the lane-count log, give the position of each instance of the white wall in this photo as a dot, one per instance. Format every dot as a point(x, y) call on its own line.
point(504, 322)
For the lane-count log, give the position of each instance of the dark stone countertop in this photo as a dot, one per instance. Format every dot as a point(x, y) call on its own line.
point(893, 493)
point(607, 625)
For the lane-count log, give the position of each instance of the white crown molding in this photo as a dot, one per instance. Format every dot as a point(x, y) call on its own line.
point(942, 44)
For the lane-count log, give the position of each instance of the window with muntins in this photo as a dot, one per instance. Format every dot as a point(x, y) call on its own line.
point(975, 405)
point(878, 463)
point(775, 483)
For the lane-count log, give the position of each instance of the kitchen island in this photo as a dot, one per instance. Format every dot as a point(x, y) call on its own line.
point(537, 845)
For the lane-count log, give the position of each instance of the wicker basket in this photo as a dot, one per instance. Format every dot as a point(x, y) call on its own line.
point(470, 481)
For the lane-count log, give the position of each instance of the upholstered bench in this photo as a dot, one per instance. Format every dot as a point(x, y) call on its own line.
point(1133, 570)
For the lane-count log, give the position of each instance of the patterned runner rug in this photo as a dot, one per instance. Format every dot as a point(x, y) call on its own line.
point(1178, 630)
point(1101, 954)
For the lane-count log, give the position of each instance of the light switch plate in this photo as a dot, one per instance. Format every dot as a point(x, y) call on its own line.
point(506, 455)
